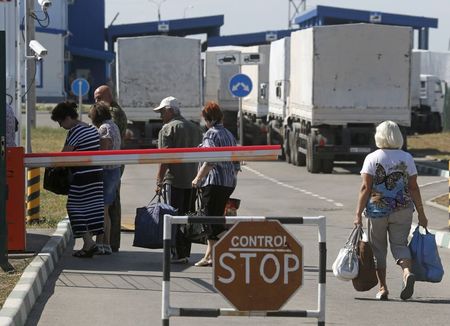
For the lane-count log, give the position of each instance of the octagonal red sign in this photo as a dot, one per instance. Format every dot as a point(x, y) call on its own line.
point(258, 266)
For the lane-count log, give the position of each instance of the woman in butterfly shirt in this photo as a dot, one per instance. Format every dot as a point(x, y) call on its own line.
point(388, 194)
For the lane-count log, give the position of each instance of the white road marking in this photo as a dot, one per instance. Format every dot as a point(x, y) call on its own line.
point(306, 192)
point(432, 183)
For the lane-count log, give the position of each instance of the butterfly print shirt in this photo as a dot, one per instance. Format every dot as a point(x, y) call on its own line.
point(390, 169)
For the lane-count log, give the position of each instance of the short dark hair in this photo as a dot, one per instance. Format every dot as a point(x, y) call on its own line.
point(99, 113)
point(212, 112)
point(63, 110)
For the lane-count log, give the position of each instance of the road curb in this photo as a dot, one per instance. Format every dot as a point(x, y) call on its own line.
point(22, 298)
point(429, 170)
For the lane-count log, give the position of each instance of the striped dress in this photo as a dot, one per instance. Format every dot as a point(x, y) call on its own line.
point(85, 199)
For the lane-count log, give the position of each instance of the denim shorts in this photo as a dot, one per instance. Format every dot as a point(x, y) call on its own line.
point(111, 180)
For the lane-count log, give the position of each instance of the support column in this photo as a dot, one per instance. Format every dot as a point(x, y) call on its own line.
point(423, 38)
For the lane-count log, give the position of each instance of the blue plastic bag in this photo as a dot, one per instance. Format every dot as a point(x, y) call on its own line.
point(426, 263)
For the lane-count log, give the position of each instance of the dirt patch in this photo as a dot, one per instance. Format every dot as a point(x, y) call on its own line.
point(436, 145)
point(442, 200)
point(8, 280)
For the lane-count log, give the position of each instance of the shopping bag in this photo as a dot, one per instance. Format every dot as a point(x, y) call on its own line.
point(346, 265)
point(367, 275)
point(149, 224)
point(57, 180)
point(426, 263)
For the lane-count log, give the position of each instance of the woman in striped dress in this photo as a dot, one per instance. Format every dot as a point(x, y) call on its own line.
point(217, 180)
point(85, 199)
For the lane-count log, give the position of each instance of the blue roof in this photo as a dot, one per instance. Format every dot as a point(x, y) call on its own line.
point(91, 53)
point(248, 39)
point(177, 27)
point(324, 15)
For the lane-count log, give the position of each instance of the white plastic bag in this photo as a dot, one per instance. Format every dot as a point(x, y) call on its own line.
point(346, 265)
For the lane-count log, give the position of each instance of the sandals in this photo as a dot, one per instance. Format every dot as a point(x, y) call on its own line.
point(203, 263)
point(382, 295)
point(85, 253)
point(408, 286)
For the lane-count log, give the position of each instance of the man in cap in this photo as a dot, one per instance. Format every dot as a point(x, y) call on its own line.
point(177, 132)
point(103, 93)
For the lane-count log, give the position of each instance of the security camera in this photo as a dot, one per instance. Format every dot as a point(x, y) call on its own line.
point(38, 49)
point(45, 4)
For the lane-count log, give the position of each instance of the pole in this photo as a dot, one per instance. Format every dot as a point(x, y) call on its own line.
point(4, 264)
point(80, 100)
point(19, 62)
point(30, 99)
point(241, 123)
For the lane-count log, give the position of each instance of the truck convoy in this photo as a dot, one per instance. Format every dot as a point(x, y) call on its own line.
point(149, 69)
point(255, 105)
point(428, 82)
point(344, 80)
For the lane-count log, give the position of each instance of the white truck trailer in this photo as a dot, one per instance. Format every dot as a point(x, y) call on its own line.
point(429, 74)
point(279, 71)
point(149, 69)
point(345, 79)
point(255, 105)
point(221, 64)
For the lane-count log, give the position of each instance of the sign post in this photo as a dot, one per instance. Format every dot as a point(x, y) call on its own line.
point(80, 87)
point(258, 266)
point(240, 86)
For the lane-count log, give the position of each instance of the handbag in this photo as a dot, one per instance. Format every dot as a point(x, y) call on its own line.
point(367, 275)
point(57, 180)
point(346, 265)
point(426, 263)
point(149, 224)
point(196, 232)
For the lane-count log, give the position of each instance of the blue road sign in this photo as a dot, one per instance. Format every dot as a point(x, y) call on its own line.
point(240, 85)
point(80, 87)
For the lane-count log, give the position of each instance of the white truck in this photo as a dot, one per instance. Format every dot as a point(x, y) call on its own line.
point(221, 64)
point(255, 105)
point(429, 75)
point(344, 80)
point(279, 71)
point(149, 69)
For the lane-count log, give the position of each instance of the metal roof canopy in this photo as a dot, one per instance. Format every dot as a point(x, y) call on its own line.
point(248, 39)
point(176, 27)
point(324, 15)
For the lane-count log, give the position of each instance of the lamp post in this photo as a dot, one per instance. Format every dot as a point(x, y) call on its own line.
point(185, 9)
point(158, 4)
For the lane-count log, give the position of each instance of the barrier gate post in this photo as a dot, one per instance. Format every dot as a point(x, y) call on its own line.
point(167, 311)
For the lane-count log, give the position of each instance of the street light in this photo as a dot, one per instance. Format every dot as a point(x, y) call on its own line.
point(158, 4)
point(185, 9)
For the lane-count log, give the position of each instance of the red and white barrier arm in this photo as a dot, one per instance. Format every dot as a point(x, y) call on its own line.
point(152, 156)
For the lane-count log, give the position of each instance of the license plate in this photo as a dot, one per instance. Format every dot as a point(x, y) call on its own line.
point(360, 149)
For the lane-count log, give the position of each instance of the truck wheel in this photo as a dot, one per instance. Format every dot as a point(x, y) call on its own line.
point(327, 166)
point(435, 124)
point(312, 162)
point(293, 148)
point(287, 151)
point(301, 158)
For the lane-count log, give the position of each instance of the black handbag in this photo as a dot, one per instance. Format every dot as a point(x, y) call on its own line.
point(196, 232)
point(57, 180)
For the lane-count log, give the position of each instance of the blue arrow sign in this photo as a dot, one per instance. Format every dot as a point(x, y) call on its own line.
point(240, 85)
point(80, 87)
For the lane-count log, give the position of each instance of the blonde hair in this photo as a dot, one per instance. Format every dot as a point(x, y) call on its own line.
point(388, 135)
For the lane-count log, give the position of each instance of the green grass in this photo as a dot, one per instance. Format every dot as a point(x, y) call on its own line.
point(52, 206)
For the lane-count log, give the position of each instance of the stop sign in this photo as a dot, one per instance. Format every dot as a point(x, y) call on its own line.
point(257, 265)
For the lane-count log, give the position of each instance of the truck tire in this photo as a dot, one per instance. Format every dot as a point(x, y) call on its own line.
point(293, 148)
point(435, 123)
point(301, 158)
point(287, 150)
point(327, 166)
point(312, 162)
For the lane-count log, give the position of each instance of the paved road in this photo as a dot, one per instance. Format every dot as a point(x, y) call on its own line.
point(125, 288)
